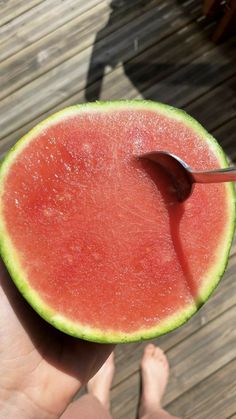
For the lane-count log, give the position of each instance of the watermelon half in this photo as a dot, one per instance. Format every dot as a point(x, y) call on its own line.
point(93, 237)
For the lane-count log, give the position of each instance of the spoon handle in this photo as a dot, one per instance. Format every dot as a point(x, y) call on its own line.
point(213, 176)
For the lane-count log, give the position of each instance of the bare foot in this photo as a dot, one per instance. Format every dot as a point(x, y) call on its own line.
point(100, 385)
point(155, 373)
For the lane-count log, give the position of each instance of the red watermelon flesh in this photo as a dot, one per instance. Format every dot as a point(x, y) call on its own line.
point(98, 234)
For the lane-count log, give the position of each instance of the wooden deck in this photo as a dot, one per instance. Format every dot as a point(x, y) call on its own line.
point(55, 53)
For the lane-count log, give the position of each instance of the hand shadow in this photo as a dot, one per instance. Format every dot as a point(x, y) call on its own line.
point(159, 69)
point(75, 357)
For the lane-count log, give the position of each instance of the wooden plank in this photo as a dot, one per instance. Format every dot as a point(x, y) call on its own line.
point(212, 101)
point(203, 73)
point(225, 134)
point(26, 105)
point(157, 63)
point(64, 43)
point(182, 86)
point(215, 343)
point(216, 107)
point(118, 87)
point(38, 22)
point(13, 8)
point(215, 397)
point(128, 356)
point(178, 88)
point(55, 86)
point(189, 362)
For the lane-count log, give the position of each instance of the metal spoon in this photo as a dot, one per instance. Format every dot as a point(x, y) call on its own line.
point(183, 177)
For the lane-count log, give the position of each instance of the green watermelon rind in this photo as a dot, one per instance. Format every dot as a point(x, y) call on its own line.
point(11, 258)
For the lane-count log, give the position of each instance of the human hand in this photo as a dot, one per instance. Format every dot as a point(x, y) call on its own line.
point(41, 369)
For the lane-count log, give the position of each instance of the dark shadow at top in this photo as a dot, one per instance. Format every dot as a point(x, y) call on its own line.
point(137, 37)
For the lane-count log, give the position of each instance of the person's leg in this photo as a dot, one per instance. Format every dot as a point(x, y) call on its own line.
point(95, 404)
point(155, 373)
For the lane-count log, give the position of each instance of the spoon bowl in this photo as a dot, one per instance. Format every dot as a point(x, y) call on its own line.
point(183, 177)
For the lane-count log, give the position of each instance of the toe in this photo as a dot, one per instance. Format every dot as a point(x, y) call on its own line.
point(149, 350)
point(159, 354)
point(161, 357)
